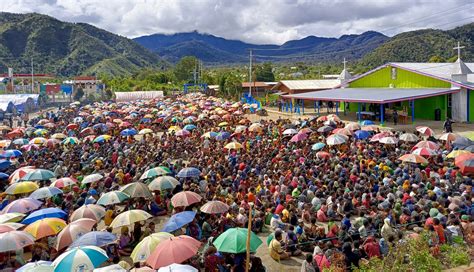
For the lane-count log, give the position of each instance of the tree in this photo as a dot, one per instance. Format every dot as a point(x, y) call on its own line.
point(233, 85)
point(78, 94)
point(264, 72)
point(184, 68)
point(436, 58)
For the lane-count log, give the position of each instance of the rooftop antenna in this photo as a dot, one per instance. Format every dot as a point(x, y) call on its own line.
point(459, 47)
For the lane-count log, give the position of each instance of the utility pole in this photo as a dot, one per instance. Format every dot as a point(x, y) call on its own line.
point(32, 77)
point(250, 74)
point(195, 75)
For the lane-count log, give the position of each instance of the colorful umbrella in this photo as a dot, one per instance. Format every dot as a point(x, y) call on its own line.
point(182, 133)
point(29, 147)
point(45, 192)
point(38, 266)
point(323, 155)
point(38, 174)
point(449, 137)
point(427, 144)
point(80, 259)
point(71, 141)
point(91, 178)
point(174, 250)
point(21, 188)
point(388, 140)
point(214, 207)
point(456, 153)
point(92, 211)
point(6, 227)
point(299, 137)
point(102, 138)
point(45, 227)
point(424, 152)
point(465, 163)
point(10, 153)
point(22, 205)
point(185, 198)
point(425, 130)
point(146, 246)
point(233, 145)
point(21, 141)
point(44, 213)
point(318, 146)
point(361, 134)
point(15, 240)
point(163, 183)
point(223, 135)
point(11, 217)
point(113, 197)
point(379, 136)
point(189, 127)
point(413, 158)
point(325, 129)
point(59, 136)
point(353, 126)
point(73, 231)
point(38, 141)
point(343, 131)
point(128, 218)
point(210, 134)
point(63, 182)
point(94, 238)
point(129, 132)
point(178, 220)
point(189, 172)
point(409, 137)
point(336, 139)
point(290, 131)
point(178, 268)
point(153, 172)
point(234, 240)
point(137, 189)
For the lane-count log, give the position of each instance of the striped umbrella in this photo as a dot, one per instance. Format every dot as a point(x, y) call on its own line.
point(21, 141)
point(128, 218)
point(388, 140)
point(63, 182)
point(413, 158)
point(45, 192)
point(15, 240)
point(92, 211)
point(11, 217)
point(6, 227)
point(137, 189)
point(94, 238)
point(427, 144)
point(163, 183)
point(423, 151)
point(189, 172)
point(409, 137)
point(185, 199)
point(73, 231)
point(10, 153)
point(102, 138)
point(425, 130)
point(146, 246)
point(38, 174)
point(456, 153)
point(21, 188)
point(22, 205)
point(336, 139)
point(233, 145)
point(84, 258)
point(44, 213)
point(154, 172)
point(214, 207)
point(45, 227)
point(38, 140)
point(114, 197)
point(71, 141)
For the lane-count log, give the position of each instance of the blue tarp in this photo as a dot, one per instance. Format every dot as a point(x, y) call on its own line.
point(67, 89)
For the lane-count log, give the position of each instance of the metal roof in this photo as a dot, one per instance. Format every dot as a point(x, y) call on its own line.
point(371, 95)
point(315, 84)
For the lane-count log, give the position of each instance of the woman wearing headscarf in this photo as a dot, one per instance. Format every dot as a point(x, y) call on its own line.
point(320, 259)
point(387, 230)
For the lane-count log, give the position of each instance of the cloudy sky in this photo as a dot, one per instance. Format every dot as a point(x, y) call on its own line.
point(257, 21)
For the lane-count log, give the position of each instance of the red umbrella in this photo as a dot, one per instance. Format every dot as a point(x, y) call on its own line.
point(87, 131)
point(72, 126)
point(175, 250)
point(423, 151)
point(323, 155)
point(125, 124)
point(15, 133)
point(425, 130)
point(465, 163)
point(413, 158)
point(185, 199)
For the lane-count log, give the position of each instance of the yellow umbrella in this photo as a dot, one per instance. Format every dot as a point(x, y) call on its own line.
point(233, 145)
point(129, 218)
point(145, 131)
point(468, 134)
point(38, 140)
point(223, 124)
point(11, 217)
point(21, 188)
point(456, 153)
point(255, 127)
point(59, 136)
point(5, 143)
point(174, 128)
point(45, 227)
point(146, 246)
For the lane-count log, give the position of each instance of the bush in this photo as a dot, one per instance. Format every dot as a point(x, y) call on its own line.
point(455, 255)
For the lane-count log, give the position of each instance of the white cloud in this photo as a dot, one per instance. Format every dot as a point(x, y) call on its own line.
point(258, 21)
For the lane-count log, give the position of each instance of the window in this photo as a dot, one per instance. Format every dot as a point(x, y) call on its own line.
point(393, 73)
point(450, 100)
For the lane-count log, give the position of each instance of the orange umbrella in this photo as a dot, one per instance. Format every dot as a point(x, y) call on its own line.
point(45, 227)
point(413, 158)
point(465, 162)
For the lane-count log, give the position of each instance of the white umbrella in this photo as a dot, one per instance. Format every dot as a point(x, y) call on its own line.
point(388, 140)
point(129, 217)
point(290, 131)
point(111, 268)
point(336, 139)
point(409, 137)
point(15, 240)
point(177, 268)
point(92, 178)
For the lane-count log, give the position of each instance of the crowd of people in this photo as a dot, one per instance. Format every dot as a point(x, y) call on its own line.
point(330, 203)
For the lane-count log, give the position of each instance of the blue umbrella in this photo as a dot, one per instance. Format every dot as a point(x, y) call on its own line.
point(45, 192)
point(189, 172)
point(4, 176)
point(4, 164)
point(145, 120)
point(221, 136)
point(361, 134)
point(129, 132)
point(94, 238)
point(44, 213)
point(178, 220)
point(10, 153)
point(80, 259)
point(366, 122)
point(318, 146)
point(189, 127)
point(100, 126)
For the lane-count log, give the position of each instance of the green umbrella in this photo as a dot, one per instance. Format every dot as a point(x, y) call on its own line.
point(270, 238)
point(234, 240)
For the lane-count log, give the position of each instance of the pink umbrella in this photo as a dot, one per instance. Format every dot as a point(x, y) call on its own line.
point(182, 133)
point(425, 130)
point(185, 199)
point(299, 137)
point(6, 227)
point(20, 172)
point(344, 131)
point(323, 155)
point(175, 250)
point(423, 151)
point(64, 182)
point(379, 136)
point(29, 147)
point(23, 205)
point(52, 142)
point(427, 144)
point(73, 231)
point(92, 211)
point(213, 207)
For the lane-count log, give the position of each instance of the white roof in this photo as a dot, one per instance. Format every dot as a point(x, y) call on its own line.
point(441, 70)
point(309, 84)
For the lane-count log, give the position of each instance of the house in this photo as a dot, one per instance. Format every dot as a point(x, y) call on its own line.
point(89, 84)
point(258, 87)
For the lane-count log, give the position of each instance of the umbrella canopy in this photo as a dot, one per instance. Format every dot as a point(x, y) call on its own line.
point(73, 231)
point(153, 172)
point(38, 174)
point(185, 198)
point(221, 136)
point(137, 189)
point(453, 154)
point(174, 250)
point(63, 182)
point(323, 155)
point(425, 130)
point(102, 138)
point(38, 140)
point(361, 134)
point(318, 146)
point(15, 240)
point(233, 145)
point(128, 132)
point(367, 122)
point(427, 144)
point(178, 220)
point(45, 227)
point(409, 137)
point(234, 240)
point(92, 211)
point(290, 131)
point(214, 207)
point(336, 139)
point(424, 152)
point(71, 141)
point(127, 218)
point(22, 205)
point(388, 140)
point(189, 127)
point(299, 137)
point(465, 163)
point(91, 178)
point(462, 142)
point(113, 197)
point(45, 192)
point(145, 131)
point(353, 126)
point(21, 188)
point(21, 141)
point(59, 136)
point(38, 266)
point(44, 213)
point(111, 268)
point(325, 129)
point(146, 246)
point(80, 259)
point(210, 134)
point(413, 158)
point(11, 217)
point(449, 137)
point(182, 133)
point(6, 227)
point(163, 183)
point(10, 153)
point(94, 238)
point(189, 172)
point(178, 268)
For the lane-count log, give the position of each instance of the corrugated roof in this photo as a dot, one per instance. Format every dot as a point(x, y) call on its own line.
point(442, 70)
point(317, 84)
point(372, 95)
point(258, 84)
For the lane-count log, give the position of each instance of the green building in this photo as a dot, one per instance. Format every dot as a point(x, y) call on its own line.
point(429, 91)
